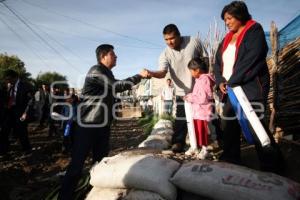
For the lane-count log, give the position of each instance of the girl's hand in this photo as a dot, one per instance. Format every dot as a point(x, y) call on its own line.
point(223, 88)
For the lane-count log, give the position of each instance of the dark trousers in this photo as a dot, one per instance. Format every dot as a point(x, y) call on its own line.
point(270, 157)
point(12, 123)
point(231, 135)
point(52, 128)
point(45, 114)
point(180, 126)
point(85, 140)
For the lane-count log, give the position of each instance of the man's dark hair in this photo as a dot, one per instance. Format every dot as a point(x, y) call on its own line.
point(198, 63)
point(10, 74)
point(169, 79)
point(171, 28)
point(238, 9)
point(103, 49)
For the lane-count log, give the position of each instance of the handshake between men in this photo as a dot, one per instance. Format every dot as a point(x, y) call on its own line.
point(145, 73)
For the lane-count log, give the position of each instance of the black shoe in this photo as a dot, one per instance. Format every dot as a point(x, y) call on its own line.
point(272, 160)
point(5, 156)
point(4, 152)
point(177, 148)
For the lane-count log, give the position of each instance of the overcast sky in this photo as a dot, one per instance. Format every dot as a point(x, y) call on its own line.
point(62, 35)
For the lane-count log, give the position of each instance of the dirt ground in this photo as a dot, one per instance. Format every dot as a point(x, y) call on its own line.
point(33, 176)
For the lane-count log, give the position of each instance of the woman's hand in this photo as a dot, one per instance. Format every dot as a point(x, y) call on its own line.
point(223, 88)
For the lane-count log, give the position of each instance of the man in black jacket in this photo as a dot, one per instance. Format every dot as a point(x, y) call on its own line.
point(95, 115)
point(18, 103)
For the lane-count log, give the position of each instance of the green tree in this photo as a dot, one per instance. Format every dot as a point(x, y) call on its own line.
point(48, 78)
point(14, 63)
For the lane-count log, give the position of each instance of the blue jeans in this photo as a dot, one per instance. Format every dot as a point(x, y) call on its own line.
point(168, 106)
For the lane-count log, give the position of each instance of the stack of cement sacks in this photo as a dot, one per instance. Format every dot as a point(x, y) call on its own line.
point(147, 176)
point(224, 181)
point(133, 177)
point(160, 137)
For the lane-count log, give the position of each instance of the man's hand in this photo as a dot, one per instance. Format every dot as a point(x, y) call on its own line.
point(23, 117)
point(223, 88)
point(156, 74)
point(145, 73)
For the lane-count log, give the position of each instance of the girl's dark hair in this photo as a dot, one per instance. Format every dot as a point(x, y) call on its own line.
point(238, 9)
point(198, 63)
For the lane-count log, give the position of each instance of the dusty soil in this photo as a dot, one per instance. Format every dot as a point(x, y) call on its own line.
point(34, 175)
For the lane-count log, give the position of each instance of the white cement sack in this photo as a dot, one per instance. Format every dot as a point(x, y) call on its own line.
point(106, 194)
point(166, 137)
point(139, 151)
point(163, 123)
point(223, 181)
point(162, 131)
point(142, 195)
point(144, 172)
point(155, 144)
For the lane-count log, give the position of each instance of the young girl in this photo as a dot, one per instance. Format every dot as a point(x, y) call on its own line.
point(201, 99)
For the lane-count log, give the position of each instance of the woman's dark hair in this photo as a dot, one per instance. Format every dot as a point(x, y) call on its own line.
point(198, 63)
point(171, 28)
point(238, 9)
point(103, 49)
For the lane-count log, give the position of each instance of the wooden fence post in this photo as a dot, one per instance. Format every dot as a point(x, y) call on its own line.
point(274, 75)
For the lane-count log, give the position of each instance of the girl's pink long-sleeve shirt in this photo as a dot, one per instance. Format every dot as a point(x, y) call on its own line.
point(202, 97)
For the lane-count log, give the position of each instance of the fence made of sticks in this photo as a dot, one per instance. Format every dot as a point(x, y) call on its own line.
point(284, 96)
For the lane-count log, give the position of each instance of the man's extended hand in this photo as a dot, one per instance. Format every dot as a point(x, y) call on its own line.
point(145, 73)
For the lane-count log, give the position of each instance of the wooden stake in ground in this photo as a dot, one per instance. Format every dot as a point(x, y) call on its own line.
point(274, 46)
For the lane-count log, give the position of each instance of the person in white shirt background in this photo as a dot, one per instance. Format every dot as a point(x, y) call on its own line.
point(167, 96)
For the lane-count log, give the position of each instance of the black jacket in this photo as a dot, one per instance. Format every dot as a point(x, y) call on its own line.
point(250, 69)
point(24, 100)
point(98, 95)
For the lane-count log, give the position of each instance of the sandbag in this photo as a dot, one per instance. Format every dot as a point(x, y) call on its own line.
point(162, 131)
point(223, 181)
point(139, 151)
point(106, 194)
point(144, 172)
point(166, 137)
point(142, 195)
point(154, 143)
point(163, 123)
